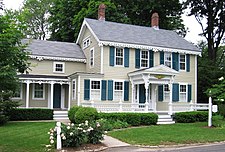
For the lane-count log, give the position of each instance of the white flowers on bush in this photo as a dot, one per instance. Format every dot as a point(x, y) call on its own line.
point(86, 123)
point(68, 127)
point(64, 137)
point(71, 134)
point(221, 78)
point(52, 141)
point(98, 124)
point(51, 137)
point(72, 124)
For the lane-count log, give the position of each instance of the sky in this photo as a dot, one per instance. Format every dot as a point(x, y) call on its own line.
point(189, 21)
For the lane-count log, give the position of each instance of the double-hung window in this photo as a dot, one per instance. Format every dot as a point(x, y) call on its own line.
point(92, 57)
point(95, 90)
point(18, 93)
point(166, 92)
point(183, 93)
point(144, 58)
point(74, 89)
point(118, 91)
point(182, 61)
point(38, 91)
point(59, 67)
point(168, 59)
point(86, 43)
point(119, 55)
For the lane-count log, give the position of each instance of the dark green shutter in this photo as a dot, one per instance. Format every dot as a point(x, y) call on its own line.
point(103, 93)
point(188, 63)
point(175, 92)
point(111, 55)
point(151, 58)
point(86, 89)
point(110, 89)
point(126, 57)
point(189, 93)
point(160, 93)
point(126, 90)
point(175, 58)
point(137, 58)
point(161, 57)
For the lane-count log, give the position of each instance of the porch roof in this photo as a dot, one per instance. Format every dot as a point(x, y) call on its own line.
point(42, 76)
point(157, 70)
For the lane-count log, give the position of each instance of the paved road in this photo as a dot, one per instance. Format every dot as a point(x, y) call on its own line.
point(203, 148)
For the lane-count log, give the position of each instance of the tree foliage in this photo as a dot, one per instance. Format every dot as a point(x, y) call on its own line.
point(213, 11)
point(67, 16)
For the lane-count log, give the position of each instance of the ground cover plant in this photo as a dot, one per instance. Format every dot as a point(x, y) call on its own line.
point(24, 136)
point(179, 133)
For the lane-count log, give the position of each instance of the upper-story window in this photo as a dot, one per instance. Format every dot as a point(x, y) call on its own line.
point(166, 92)
point(92, 57)
point(86, 42)
point(119, 55)
point(182, 61)
point(118, 91)
point(168, 59)
point(74, 89)
point(59, 67)
point(144, 58)
point(95, 90)
point(183, 93)
point(38, 91)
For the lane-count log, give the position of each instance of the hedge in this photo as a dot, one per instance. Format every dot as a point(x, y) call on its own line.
point(31, 114)
point(134, 119)
point(189, 117)
point(221, 109)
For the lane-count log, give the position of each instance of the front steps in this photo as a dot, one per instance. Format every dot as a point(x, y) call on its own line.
point(165, 119)
point(61, 116)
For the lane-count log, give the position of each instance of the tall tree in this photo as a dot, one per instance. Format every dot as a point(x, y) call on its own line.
point(213, 11)
point(35, 15)
point(67, 16)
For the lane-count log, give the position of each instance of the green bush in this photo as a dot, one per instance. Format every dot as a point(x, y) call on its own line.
point(119, 124)
point(85, 113)
point(106, 124)
point(189, 117)
point(72, 113)
point(31, 114)
point(3, 119)
point(134, 119)
point(221, 110)
point(218, 121)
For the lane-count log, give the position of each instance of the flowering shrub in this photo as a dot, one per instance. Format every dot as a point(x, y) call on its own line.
point(75, 135)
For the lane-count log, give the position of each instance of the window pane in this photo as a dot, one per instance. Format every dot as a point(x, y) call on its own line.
point(144, 63)
point(119, 56)
point(168, 58)
point(118, 85)
point(38, 91)
point(59, 67)
point(182, 62)
point(95, 84)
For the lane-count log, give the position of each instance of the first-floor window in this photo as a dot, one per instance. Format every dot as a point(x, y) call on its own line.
point(183, 93)
point(18, 93)
point(95, 90)
point(118, 91)
point(74, 89)
point(166, 92)
point(38, 91)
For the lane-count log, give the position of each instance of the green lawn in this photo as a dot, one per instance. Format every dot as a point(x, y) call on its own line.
point(24, 136)
point(170, 134)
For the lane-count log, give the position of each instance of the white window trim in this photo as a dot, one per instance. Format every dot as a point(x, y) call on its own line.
point(85, 40)
point(96, 89)
point(164, 93)
point(92, 49)
point(115, 57)
point(182, 62)
point(171, 62)
point(33, 88)
point(145, 59)
point(21, 93)
point(114, 81)
point(186, 91)
point(54, 67)
point(74, 89)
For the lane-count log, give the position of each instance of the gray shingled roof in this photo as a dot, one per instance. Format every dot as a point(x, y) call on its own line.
point(140, 35)
point(54, 49)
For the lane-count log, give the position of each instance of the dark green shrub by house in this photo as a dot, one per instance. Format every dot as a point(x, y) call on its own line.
point(192, 116)
point(72, 113)
point(85, 113)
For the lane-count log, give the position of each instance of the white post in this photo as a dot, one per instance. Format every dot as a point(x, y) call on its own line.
point(59, 141)
point(69, 96)
point(92, 104)
point(170, 102)
point(52, 91)
point(191, 106)
point(120, 106)
point(27, 94)
point(210, 112)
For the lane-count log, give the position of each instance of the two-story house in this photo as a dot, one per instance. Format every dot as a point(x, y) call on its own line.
point(113, 67)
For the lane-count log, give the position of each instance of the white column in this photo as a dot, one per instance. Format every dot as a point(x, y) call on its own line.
point(69, 96)
point(210, 113)
point(132, 92)
point(102, 59)
point(170, 102)
point(78, 91)
point(52, 91)
point(62, 97)
point(49, 96)
point(28, 93)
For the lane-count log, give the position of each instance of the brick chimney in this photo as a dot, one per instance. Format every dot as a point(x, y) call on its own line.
point(101, 12)
point(155, 20)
